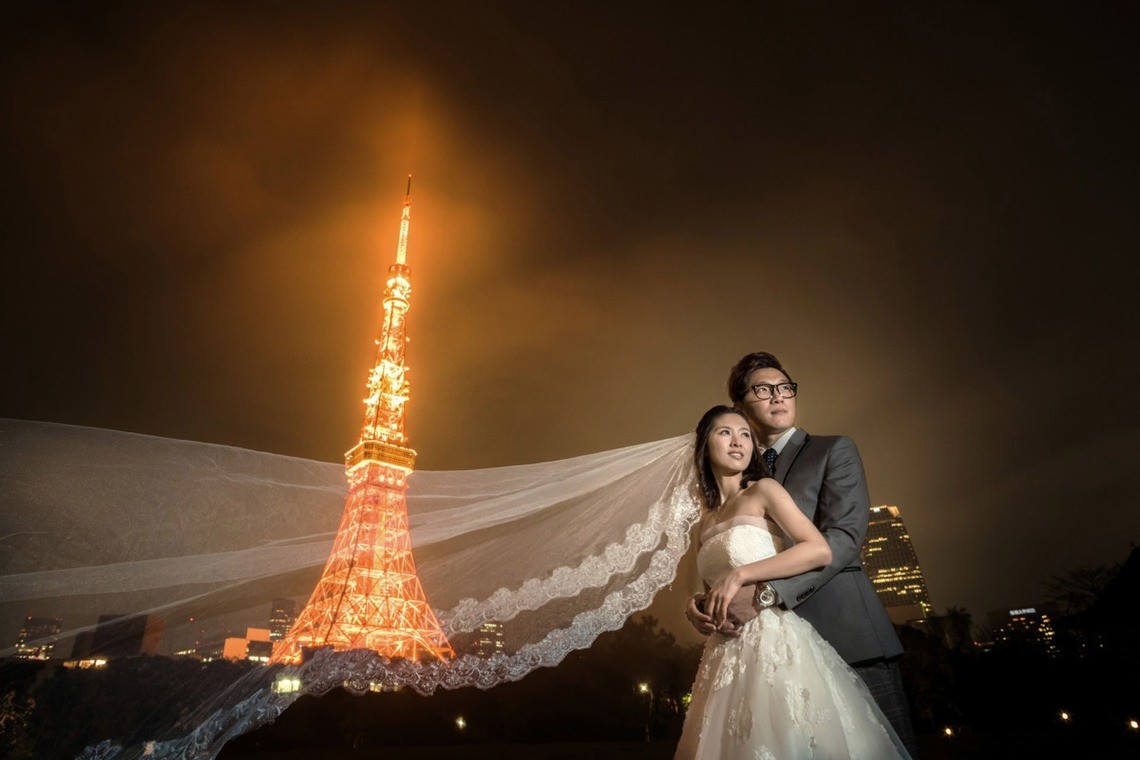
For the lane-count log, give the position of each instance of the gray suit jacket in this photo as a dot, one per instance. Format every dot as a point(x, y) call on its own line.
point(824, 476)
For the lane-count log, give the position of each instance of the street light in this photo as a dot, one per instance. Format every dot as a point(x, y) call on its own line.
point(460, 723)
point(1133, 725)
point(1065, 716)
point(948, 731)
point(647, 690)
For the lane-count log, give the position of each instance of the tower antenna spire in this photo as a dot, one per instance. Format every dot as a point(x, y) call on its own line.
point(405, 220)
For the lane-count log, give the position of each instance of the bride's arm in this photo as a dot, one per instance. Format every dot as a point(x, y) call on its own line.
point(810, 551)
point(693, 612)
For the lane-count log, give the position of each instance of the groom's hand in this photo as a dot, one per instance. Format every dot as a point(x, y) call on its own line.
point(741, 609)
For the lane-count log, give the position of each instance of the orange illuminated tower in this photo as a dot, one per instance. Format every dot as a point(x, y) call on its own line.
point(369, 596)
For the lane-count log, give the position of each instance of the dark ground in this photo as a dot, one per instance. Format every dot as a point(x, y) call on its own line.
point(930, 747)
point(612, 751)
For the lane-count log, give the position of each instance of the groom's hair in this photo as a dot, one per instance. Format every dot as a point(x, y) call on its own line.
point(738, 378)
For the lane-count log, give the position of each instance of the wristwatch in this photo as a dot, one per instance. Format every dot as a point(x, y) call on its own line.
point(765, 595)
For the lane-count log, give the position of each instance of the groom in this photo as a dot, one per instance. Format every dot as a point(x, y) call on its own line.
point(824, 476)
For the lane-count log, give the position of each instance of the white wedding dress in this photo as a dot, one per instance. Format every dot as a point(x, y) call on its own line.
point(779, 691)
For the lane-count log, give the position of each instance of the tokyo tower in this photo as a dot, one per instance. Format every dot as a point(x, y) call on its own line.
point(369, 596)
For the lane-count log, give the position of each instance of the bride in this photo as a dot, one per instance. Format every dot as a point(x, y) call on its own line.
point(776, 690)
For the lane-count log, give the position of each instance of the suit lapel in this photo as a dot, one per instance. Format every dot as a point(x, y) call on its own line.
point(787, 458)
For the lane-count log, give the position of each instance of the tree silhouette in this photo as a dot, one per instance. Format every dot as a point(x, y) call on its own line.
point(1077, 590)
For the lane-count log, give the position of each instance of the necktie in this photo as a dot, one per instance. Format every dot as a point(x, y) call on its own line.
point(770, 455)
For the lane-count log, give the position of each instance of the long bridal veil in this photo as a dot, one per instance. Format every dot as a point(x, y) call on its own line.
point(203, 537)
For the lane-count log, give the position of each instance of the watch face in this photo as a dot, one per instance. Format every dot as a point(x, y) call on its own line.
point(767, 597)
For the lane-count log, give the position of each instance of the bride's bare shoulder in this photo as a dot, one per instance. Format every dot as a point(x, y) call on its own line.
point(766, 487)
point(756, 497)
point(763, 492)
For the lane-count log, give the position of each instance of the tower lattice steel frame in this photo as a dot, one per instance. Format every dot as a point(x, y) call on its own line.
point(369, 595)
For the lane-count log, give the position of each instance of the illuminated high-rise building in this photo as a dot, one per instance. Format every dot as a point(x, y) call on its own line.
point(489, 640)
point(38, 637)
point(1025, 626)
point(892, 565)
point(282, 613)
point(369, 595)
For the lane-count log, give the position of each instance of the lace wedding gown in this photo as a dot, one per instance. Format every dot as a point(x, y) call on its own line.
point(779, 691)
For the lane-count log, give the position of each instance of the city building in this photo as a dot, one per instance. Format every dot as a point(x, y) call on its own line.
point(38, 637)
point(206, 648)
point(81, 649)
point(255, 646)
point(282, 613)
point(1025, 626)
point(119, 636)
point(891, 563)
point(489, 640)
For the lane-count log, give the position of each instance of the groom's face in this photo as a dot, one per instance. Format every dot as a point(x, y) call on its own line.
point(770, 416)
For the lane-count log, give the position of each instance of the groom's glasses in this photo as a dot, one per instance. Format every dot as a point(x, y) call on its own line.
point(765, 391)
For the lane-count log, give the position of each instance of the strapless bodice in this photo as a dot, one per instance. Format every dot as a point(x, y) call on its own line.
point(735, 542)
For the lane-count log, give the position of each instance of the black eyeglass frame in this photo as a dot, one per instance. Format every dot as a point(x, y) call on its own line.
point(773, 390)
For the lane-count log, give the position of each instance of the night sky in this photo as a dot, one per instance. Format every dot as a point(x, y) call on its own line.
point(926, 210)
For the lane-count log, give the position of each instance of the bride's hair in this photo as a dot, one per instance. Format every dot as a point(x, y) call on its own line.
point(706, 480)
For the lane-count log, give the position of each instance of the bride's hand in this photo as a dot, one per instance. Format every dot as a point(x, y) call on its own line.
point(721, 595)
point(696, 615)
